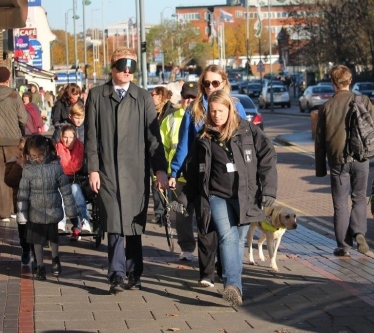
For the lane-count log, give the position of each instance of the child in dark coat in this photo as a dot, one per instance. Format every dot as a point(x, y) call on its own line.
point(12, 177)
point(41, 190)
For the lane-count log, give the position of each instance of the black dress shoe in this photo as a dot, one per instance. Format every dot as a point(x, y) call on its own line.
point(341, 252)
point(116, 284)
point(133, 282)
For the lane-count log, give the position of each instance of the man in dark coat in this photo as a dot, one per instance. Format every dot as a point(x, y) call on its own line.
point(122, 142)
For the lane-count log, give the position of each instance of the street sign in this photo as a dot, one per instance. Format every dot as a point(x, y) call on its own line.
point(260, 63)
point(260, 67)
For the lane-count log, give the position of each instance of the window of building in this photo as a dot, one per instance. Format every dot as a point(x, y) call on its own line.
point(238, 14)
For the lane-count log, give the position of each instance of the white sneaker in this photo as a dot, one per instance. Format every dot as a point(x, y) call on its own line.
point(13, 216)
point(206, 283)
point(86, 227)
point(62, 226)
point(186, 256)
point(6, 219)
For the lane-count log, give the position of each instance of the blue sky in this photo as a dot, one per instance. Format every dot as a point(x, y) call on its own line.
point(115, 11)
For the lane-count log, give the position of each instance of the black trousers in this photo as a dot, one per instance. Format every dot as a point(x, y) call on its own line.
point(207, 251)
point(123, 261)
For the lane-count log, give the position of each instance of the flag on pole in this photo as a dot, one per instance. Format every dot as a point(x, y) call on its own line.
point(226, 17)
point(258, 23)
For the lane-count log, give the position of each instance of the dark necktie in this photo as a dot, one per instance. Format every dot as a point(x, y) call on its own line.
point(121, 93)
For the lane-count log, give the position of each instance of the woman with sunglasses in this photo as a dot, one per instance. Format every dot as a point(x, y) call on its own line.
point(61, 110)
point(212, 78)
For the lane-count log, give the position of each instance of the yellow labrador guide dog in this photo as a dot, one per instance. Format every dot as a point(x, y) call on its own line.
point(278, 220)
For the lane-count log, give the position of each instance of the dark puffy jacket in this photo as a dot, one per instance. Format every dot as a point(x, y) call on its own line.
point(61, 110)
point(331, 131)
point(255, 159)
point(40, 191)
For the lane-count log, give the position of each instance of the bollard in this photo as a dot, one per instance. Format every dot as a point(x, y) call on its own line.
point(313, 119)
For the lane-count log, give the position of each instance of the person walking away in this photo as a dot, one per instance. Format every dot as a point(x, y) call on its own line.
point(231, 175)
point(122, 143)
point(169, 133)
point(13, 118)
point(212, 78)
point(348, 176)
point(71, 152)
point(12, 177)
point(39, 202)
point(34, 122)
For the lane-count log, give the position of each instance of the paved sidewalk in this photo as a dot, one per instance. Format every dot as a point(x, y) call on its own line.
point(313, 292)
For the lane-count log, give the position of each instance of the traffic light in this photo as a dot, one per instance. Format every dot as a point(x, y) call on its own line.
point(144, 47)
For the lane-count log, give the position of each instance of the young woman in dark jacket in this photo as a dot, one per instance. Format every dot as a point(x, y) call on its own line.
point(231, 174)
point(61, 109)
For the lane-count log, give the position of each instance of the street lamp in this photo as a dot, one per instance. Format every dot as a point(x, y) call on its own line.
point(84, 4)
point(76, 17)
point(162, 14)
point(271, 63)
point(67, 41)
point(93, 39)
point(130, 22)
point(103, 28)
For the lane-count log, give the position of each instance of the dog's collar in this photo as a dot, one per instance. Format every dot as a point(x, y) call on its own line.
point(268, 226)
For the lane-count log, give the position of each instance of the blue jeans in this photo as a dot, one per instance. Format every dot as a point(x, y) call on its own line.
point(231, 238)
point(80, 201)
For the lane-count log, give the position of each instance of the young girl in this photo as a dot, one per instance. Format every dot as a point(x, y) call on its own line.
point(71, 152)
point(39, 202)
point(13, 175)
point(231, 175)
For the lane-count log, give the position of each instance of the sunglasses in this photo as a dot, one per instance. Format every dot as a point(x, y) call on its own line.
point(214, 83)
point(125, 63)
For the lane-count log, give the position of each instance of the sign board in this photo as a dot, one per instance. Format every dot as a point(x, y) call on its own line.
point(34, 3)
point(260, 67)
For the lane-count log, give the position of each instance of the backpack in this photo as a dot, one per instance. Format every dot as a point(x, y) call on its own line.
point(360, 131)
point(34, 123)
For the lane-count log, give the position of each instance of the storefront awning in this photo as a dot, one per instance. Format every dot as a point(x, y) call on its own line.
point(13, 14)
point(33, 71)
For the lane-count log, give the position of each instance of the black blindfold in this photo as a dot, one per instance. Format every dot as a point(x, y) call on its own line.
point(125, 63)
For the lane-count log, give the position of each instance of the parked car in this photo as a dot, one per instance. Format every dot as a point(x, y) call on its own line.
point(251, 89)
point(326, 84)
point(280, 97)
point(234, 87)
point(314, 96)
point(250, 109)
point(363, 88)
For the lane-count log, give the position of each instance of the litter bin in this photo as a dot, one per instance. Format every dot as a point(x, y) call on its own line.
point(313, 119)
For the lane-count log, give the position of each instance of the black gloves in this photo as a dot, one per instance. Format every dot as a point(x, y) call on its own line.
point(267, 201)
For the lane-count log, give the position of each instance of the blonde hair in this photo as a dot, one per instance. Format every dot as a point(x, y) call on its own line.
point(341, 76)
point(122, 52)
point(232, 123)
point(77, 110)
point(197, 109)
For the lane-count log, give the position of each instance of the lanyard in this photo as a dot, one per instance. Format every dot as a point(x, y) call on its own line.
point(223, 145)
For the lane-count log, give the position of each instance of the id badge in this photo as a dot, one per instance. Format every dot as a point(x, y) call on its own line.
point(231, 167)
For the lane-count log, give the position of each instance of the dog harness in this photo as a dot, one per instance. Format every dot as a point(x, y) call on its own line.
point(268, 226)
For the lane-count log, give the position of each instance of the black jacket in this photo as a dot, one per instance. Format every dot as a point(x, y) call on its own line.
point(61, 110)
point(255, 159)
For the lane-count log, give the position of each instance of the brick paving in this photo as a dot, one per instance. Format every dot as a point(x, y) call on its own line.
point(313, 292)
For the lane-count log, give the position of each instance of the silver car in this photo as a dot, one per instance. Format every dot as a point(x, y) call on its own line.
point(314, 96)
point(280, 94)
